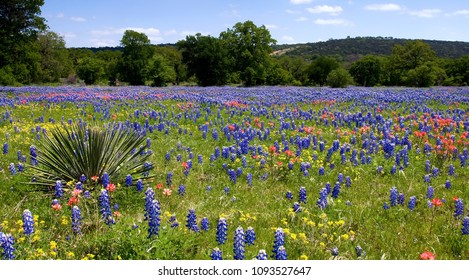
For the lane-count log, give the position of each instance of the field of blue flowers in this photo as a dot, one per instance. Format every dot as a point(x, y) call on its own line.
point(245, 173)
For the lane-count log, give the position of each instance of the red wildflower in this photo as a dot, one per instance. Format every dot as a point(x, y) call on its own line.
point(111, 187)
point(427, 256)
point(159, 186)
point(95, 178)
point(73, 201)
point(167, 192)
point(185, 165)
point(117, 214)
point(272, 149)
point(437, 202)
point(57, 207)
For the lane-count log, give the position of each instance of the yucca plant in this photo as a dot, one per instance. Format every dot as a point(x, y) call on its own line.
point(68, 151)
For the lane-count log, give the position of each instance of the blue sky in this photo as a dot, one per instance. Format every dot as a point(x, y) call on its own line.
point(95, 23)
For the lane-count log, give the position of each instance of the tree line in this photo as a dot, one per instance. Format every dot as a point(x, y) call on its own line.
point(30, 53)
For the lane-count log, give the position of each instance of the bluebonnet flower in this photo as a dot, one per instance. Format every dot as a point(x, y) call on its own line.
point(169, 179)
point(33, 154)
point(216, 254)
point(296, 207)
point(76, 220)
point(393, 170)
point(128, 180)
point(385, 206)
point(322, 201)
point(149, 197)
point(105, 180)
point(426, 178)
point(393, 196)
point(340, 178)
point(19, 155)
point(28, 222)
point(448, 184)
point(250, 236)
point(427, 166)
point(238, 244)
point(208, 188)
point(359, 251)
point(321, 171)
point(167, 156)
point(400, 199)
point(465, 225)
point(249, 179)
point(302, 195)
point(336, 190)
point(281, 253)
point(79, 186)
point(239, 172)
point(289, 195)
point(200, 159)
point(87, 194)
point(335, 251)
point(182, 190)
point(139, 185)
point(412, 202)
point(226, 190)
point(435, 172)
point(379, 169)
point(458, 208)
point(262, 255)
point(191, 222)
point(451, 170)
point(148, 143)
point(204, 224)
point(105, 207)
point(6, 242)
point(279, 240)
point(348, 181)
point(83, 178)
point(430, 192)
point(5, 148)
point(154, 218)
point(232, 175)
point(12, 169)
point(222, 231)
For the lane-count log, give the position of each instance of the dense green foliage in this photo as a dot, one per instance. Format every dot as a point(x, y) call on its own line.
point(244, 54)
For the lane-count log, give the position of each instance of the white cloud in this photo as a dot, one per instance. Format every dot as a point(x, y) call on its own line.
point(119, 31)
point(188, 32)
point(301, 19)
point(271, 26)
point(288, 11)
point(383, 7)
point(171, 32)
point(335, 21)
point(333, 10)
point(425, 13)
point(60, 15)
point(69, 35)
point(78, 19)
point(299, 2)
point(461, 13)
point(103, 42)
point(287, 38)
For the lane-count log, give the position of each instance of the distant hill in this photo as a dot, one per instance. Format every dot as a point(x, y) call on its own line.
point(351, 49)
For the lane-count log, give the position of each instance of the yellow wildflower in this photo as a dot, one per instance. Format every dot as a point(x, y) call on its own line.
point(35, 238)
point(340, 223)
point(70, 254)
point(304, 257)
point(19, 223)
point(322, 244)
point(320, 225)
point(345, 236)
point(293, 236)
point(311, 223)
point(302, 236)
point(90, 256)
point(53, 245)
point(324, 235)
point(323, 216)
point(286, 231)
point(21, 239)
point(53, 254)
point(39, 252)
point(35, 218)
point(330, 223)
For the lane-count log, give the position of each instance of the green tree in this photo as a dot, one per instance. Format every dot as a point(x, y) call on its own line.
point(368, 71)
point(111, 60)
point(206, 58)
point(296, 66)
point(458, 71)
point(90, 69)
point(249, 49)
point(425, 75)
point(320, 68)
point(407, 57)
point(135, 58)
point(173, 58)
point(55, 62)
point(20, 22)
point(339, 78)
point(159, 72)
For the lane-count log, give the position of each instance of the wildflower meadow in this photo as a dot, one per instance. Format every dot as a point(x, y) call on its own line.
point(229, 173)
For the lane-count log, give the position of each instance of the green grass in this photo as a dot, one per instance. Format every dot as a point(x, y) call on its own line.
point(396, 233)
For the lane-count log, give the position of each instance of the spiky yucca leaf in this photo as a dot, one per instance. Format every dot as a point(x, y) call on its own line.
point(68, 151)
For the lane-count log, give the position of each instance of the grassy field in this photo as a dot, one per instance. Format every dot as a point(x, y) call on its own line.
point(327, 173)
